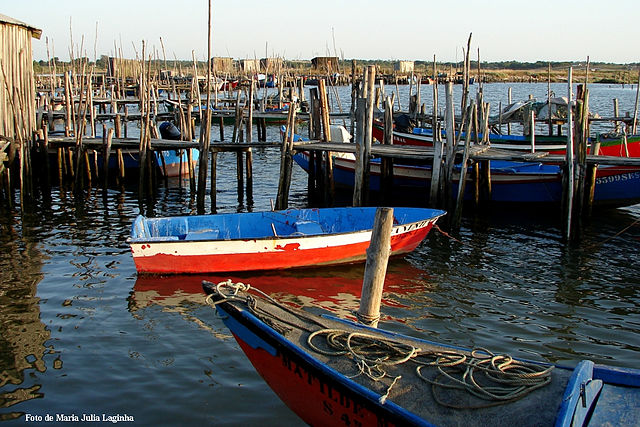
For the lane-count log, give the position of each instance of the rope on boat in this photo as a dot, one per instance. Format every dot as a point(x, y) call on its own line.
point(496, 378)
point(483, 374)
point(370, 353)
point(228, 290)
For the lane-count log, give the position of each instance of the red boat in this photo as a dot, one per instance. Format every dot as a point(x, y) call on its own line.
point(273, 240)
point(610, 145)
point(332, 372)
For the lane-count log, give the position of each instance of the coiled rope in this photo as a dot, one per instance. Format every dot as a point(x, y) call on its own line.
point(496, 378)
point(483, 374)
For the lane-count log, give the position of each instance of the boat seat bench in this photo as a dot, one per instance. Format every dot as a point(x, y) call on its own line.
point(307, 227)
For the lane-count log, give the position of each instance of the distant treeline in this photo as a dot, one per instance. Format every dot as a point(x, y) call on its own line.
point(386, 66)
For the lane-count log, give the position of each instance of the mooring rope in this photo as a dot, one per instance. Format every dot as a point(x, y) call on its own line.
point(496, 378)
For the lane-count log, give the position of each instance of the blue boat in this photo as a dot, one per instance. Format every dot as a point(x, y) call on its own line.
point(511, 182)
point(331, 371)
point(169, 163)
point(271, 240)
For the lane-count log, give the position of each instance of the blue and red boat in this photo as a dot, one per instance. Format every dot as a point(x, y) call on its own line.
point(511, 182)
point(331, 372)
point(272, 240)
point(610, 144)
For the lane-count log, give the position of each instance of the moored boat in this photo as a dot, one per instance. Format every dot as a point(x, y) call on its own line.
point(331, 371)
point(271, 240)
point(610, 144)
point(511, 182)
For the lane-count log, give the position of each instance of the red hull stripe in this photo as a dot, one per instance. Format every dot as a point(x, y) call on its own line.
point(281, 257)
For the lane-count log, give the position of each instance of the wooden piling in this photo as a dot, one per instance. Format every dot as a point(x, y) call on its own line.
point(615, 115)
point(449, 148)
point(550, 121)
point(376, 268)
point(106, 155)
point(240, 176)
point(328, 184)
point(509, 101)
point(567, 177)
point(205, 128)
point(457, 213)
point(249, 174)
point(386, 166)
point(214, 176)
point(286, 161)
point(591, 180)
point(363, 157)
point(250, 112)
point(634, 126)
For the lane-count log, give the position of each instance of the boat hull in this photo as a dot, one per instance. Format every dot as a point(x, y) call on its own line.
point(324, 392)
point(309, 390)
point(195, 252)
point(176, 162)
point(609, 146)
point(511, 182)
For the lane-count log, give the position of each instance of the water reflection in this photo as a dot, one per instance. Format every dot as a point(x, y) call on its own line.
point(22, 334)
point(336, 290)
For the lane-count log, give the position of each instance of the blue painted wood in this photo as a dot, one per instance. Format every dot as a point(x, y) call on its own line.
point(245, 334)
point(255, 225)
point(582, 374)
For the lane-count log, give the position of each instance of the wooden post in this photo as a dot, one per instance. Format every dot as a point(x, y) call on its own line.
point(326, 137)
point(449, 151)
point(591, 179)
point(240, 176)
point(434, 193)
point(250, 113)
point(568, 182)
point(205, 128)
point(286, 161)
point(549, 100)
point(249, 174)
point(634, 127)
point(238, 119)
point(457, 214)
point(361, 107)
point(68, 104)
point(533, 131)
point(106, 156)
point(615, 115)
point(214, 182)
point(361, 189)
point(581, 138)
point(386, 163)
point(376, 268)
point(314, 181)
point(509, 103)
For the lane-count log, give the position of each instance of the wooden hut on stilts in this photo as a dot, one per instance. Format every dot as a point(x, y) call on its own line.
point(17, 98)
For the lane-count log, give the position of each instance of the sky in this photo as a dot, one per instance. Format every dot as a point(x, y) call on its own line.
point(560, 30)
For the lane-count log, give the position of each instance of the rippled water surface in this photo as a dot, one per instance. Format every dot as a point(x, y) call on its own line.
point(80, 333)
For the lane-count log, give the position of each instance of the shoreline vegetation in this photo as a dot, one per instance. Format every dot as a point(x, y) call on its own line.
point(490, 72)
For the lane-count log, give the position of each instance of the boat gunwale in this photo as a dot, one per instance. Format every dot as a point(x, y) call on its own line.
point(289, 237)
point(252, 322)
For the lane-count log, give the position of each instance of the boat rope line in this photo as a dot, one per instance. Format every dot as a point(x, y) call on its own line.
point(229, 291)
point(490, 377)
point(495, 378)
point(445, 234)
point(615, 235)
point(485, 378)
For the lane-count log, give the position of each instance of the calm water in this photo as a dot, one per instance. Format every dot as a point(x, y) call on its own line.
point(80, 333)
